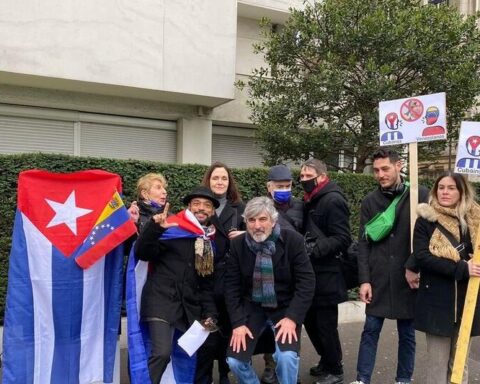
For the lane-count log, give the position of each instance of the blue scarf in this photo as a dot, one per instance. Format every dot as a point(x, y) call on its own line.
point(263, 287)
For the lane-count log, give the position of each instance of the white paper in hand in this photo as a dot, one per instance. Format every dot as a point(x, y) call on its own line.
point(193, 338)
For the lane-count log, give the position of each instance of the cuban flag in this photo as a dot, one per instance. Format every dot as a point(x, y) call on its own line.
point(473, 145)
point(181, 369)
point(65, 278)
point(391, 120)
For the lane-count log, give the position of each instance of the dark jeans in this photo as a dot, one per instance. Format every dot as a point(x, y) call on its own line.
point(161, 334)
point(321, 324)
point(368, 349)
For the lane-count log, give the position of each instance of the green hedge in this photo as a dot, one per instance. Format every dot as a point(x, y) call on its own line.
point(181, 178)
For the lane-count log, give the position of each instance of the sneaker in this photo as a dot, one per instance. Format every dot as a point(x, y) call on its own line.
point(402, 382)
point(318, 370)
point(357, 382)
point(330, 379)
point(269, 376)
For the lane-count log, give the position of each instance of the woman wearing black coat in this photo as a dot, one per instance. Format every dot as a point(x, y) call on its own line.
point(229, 224)
point(443, 244)
point(151, 200)
point(151, 195)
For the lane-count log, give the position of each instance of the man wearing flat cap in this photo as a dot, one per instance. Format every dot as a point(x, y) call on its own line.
point(290, 209)
point(179, 287)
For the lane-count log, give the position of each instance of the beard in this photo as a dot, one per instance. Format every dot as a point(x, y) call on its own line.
point(204, 219)
point(260, 237)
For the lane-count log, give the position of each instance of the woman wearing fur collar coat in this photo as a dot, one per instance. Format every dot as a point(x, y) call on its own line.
point(443, 244)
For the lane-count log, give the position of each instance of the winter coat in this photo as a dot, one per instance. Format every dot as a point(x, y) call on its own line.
point(230, 218)
point(290, 215)
point(382, 263)
point(443, 272)
point(146, 212)
point(173, 291)
point(293, 280)
point(326, 219)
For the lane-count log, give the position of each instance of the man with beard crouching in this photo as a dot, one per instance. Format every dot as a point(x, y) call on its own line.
point(269, 283)
point(179, 289)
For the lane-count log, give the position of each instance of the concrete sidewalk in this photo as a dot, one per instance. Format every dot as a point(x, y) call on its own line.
point(386, 357)
point(351, 317)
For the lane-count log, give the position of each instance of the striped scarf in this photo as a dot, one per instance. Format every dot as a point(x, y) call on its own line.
point(263, 287)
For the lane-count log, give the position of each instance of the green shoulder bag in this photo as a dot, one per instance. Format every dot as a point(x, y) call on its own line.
point(382, 223)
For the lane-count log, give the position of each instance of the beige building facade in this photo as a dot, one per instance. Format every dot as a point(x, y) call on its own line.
point(139, 79)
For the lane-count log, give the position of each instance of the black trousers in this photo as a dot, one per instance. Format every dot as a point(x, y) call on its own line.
point(321, 324)
point(161, 335)
point(214, 348)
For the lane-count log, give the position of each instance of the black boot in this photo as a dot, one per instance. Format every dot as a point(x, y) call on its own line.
point(269, 376)
point(318, 370)
point(330, 379)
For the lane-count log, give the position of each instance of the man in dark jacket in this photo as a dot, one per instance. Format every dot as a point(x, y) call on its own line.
point(269, 283)
point(385, 284)
point(179, 289)
point(327, 232)
point(290, 216)
point(290, 209)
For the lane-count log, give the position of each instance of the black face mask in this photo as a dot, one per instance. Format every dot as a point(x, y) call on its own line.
point(309, 185)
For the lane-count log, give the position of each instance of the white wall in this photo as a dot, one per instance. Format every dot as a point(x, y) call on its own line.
point(236, 111)
point(180, 47)
point(159, 59)
point(250, 12)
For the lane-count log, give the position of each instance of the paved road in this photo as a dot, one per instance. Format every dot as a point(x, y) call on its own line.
point(386, 357)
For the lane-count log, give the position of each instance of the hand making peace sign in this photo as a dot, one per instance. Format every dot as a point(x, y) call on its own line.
point(161, 218)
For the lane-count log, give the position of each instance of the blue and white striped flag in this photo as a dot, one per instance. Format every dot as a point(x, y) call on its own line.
point(61, 319)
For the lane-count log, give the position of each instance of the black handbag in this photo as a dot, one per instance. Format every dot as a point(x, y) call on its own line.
point(459, 247)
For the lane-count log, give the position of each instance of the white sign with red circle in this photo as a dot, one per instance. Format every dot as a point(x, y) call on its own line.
point(468, 151)
point(414, 119)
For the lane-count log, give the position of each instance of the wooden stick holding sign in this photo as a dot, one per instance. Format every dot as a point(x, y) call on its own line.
point(463, 340)
point(413, 175)
point(467, 162)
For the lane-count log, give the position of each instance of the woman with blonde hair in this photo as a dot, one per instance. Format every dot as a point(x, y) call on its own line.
point(443, 243)
point(151, 198)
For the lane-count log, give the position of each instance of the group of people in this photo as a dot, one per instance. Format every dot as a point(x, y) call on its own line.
point(253, 274)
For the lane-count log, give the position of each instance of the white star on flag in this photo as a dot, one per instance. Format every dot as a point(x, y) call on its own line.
point(67, 213)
